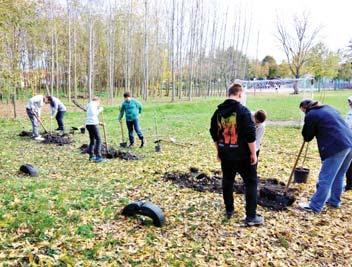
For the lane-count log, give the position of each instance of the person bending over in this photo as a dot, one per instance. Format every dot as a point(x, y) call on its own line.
point(335, 148)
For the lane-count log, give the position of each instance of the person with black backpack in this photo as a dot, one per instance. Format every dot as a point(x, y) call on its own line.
point(233, 132)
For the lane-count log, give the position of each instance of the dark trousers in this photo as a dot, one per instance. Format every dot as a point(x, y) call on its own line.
point(249, 175)
point(60, 120)
point(95, 140)
point(349, 178)
point(134, 125)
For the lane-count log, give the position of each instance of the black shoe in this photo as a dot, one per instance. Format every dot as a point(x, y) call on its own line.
point(256, 221)
point(229, 214)
point(131, 145)
point(142, 143)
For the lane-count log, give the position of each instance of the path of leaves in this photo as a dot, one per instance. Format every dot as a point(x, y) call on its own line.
point(70, 214)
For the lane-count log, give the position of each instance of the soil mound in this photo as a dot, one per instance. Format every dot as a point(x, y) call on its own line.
point(51, 138)
point(270, 191)
point(112, 153)
point(57, 139)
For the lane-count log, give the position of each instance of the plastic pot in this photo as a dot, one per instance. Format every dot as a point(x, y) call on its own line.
point(301, 175)
point(158, 148)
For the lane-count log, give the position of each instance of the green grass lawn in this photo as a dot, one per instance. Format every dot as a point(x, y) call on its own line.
point(69, 215)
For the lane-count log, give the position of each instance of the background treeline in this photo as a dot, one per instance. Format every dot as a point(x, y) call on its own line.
point(171, 48)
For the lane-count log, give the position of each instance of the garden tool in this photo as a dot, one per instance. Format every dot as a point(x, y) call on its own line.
point(123, 143)
point(104, 131)
point(51, 124)
point(295, 165)
point(41, 123)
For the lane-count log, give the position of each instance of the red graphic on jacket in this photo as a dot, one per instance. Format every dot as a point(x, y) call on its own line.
point(227, 129)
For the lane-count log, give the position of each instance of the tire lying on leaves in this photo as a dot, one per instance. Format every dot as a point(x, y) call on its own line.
point(29, 170)
point(145, 208)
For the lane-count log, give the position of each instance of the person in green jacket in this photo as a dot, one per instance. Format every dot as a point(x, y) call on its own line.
point(132, 108)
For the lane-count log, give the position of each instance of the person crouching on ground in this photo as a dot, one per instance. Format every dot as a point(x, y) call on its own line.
point(335, 148)
point(349, 123)
point(92, 125)
point(132, 108)
point(58, 110)
point(33, 109)
point(233, 133)
point(259, 118)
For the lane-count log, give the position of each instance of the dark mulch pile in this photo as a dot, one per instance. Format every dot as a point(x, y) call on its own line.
point(270, 193)
point(112, 153)
point(51, 138)
point(57, 139)
point(25, 134)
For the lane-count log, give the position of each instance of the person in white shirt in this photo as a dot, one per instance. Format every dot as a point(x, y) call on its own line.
point(92, 125)
point(349, 123)
point(259, 118)
point(58, 110)
point(33, 109)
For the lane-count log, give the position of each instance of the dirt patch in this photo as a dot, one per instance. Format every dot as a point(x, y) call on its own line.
point(25, 134)
point(51, 138)
point(57, 139)
point(270, 191)
point(112, 153)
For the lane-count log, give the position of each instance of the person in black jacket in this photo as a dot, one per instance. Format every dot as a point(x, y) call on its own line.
point(335, 148)
point(233, 133)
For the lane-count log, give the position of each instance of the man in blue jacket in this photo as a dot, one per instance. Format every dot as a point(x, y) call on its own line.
point(132, 108)
point(335, 148)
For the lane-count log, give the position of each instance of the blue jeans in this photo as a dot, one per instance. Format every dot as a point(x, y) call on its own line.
point(34, 121)
point(134, 125)
point(331, 180)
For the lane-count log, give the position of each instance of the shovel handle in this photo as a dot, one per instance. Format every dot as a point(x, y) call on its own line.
point(104, 130)
point(294, 167)
point(122, 132)
point(40, 121)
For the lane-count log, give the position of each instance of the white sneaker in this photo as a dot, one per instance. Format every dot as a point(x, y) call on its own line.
point(39, 138)
point(305, 206)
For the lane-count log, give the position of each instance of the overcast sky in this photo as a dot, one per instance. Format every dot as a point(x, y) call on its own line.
point(335, 17)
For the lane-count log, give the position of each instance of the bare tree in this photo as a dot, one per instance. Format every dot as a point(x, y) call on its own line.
point(297, 45)
point(145, 56)
point(69, 49)
point(172, 48)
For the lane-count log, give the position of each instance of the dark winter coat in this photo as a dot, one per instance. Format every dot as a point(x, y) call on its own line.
point(332, 133)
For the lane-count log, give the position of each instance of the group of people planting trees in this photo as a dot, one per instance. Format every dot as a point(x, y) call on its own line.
point(130, 107)
point(237, 135)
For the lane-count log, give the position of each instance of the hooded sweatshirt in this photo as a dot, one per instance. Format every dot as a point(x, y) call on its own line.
point(35, 104)
point(330, 130)
point(56, 106)
point(93, 111)
point(132, 108)
point(232, 129)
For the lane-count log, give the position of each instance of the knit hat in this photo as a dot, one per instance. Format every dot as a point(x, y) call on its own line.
point(307, 103)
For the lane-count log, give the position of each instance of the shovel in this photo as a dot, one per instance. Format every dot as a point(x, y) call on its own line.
point(104, 130)
point(123, 143)
point(41, 123)
point(294, 167)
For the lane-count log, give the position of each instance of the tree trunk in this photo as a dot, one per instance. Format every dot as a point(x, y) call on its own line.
point(69, 50)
